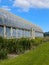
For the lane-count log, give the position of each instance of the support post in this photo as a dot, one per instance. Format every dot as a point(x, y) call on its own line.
point(24, 33)
point(33, 33)
point(11, 32)
point(4, 31)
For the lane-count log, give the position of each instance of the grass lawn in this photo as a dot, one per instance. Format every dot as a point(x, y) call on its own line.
point(38, 56)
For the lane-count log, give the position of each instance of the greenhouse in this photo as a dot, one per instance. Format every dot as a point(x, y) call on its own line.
point(12, 26)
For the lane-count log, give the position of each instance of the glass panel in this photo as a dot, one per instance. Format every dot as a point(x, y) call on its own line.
point(8, 32)
point(19, 33)
point(14, 32)
point(26, 34)
point(38, 34)
point(29, 33)
point(23, 33)
point(1, 21)
point(1, 31)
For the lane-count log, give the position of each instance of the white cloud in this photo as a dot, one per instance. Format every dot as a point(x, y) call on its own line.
point(25, 5)
point(6, 8)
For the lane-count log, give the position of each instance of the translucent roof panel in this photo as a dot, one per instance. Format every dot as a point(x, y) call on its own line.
point(10, 19)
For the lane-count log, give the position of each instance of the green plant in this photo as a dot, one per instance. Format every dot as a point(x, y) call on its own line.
point(37, 41)
point(3, 54)
point(19, 45)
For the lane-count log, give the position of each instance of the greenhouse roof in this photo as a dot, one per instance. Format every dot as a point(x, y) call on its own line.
point(9, 19)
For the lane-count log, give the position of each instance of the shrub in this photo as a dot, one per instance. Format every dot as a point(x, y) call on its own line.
point(37, 41)
point(10, 46)
point(19, 45)
point(1, 40)
point(46, 39)
point(3, 54)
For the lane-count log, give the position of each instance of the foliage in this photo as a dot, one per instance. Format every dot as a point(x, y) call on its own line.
point(18, 45)
point(3, 54)
point(37, 41)
point(46, 39)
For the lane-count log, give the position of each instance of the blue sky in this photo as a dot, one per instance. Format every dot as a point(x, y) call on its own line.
point(35, 11)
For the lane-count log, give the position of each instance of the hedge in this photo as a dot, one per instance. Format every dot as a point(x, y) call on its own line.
point(17, 45)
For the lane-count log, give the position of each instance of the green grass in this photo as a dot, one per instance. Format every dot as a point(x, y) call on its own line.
point(38, 56)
